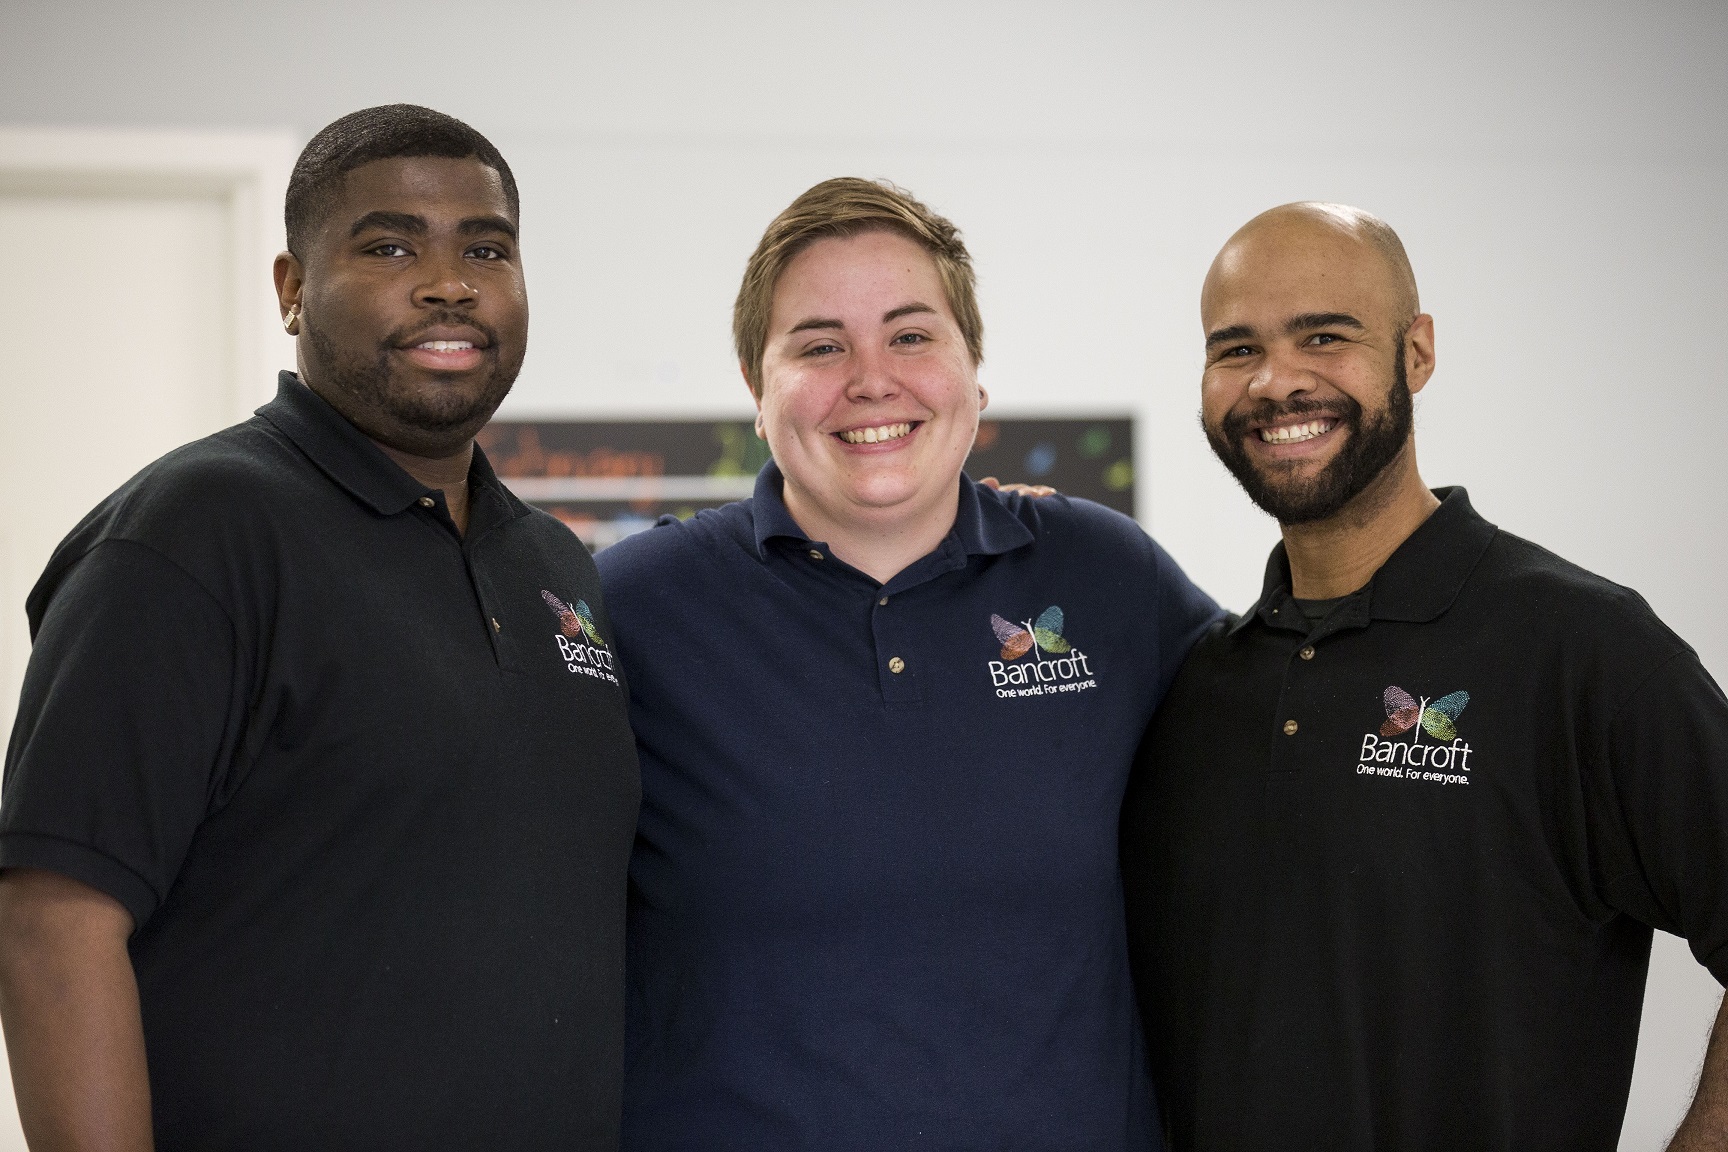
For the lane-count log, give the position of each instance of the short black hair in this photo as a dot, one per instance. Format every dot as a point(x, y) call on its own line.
point(381, 133)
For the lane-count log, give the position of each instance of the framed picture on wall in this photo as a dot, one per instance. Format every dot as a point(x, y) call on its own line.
point(609, 478)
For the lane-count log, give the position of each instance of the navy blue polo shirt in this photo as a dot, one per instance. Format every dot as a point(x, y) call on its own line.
point(874, 897)
point(365, 784)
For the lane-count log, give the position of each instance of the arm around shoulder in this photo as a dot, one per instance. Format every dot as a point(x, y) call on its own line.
point(1136, 569)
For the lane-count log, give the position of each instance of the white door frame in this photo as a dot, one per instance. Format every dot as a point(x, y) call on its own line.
point(248, 171)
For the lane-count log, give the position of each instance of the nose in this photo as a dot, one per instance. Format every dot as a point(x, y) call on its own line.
point(444, 286)
point(1280, 378)
point(872, 376)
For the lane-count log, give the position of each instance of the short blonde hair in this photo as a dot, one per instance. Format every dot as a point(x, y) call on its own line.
point(848, 206)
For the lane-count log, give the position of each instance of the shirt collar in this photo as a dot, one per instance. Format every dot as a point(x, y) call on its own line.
point(983, 523)
point(1417, 582)
point(490, 501)
point(346, 455)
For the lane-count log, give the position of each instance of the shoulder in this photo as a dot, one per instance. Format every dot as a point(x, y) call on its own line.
point(251, 455)
point(665, 554)
point(1109, 560)
point(1526, 579)
point(230, 474)
point(1216, 639)
point(198, 502)
point(1068, 520)
point(1113, 547)
point(193, 499)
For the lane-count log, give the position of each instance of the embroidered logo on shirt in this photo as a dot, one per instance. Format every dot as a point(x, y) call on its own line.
point(1040, 677)
point(1017, 640)
point(579, 642)
point(1387, 754)
point(1402, 712)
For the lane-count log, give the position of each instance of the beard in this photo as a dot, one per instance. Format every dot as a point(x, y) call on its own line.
point(423, 417)
point(1369, 448)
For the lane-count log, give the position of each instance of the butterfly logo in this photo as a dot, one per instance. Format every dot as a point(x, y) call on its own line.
point(575, 622)
point(1018, 639)
point(1403, 712)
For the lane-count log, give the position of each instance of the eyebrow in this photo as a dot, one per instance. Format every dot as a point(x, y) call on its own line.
point(480, 225)
point(390, 222)
point(808, 325)
point(906, 310)
point(1226, 335)
point(1308, 320)
point(1305, 322)
point(887, 317)
point(411, 225)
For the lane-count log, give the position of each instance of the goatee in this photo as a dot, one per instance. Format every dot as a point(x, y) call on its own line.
point(1369, 448)
point(441, 413)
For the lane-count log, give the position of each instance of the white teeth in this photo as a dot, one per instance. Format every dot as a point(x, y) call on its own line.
point(876, 435)
point(1296, 433)
point(446, 345)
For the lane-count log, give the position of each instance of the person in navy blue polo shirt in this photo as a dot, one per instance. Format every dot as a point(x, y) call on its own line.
point(885, 718)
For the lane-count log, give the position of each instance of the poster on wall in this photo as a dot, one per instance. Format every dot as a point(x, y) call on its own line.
point(608, 478)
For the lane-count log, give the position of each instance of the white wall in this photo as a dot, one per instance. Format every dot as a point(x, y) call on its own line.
point(1556, 171)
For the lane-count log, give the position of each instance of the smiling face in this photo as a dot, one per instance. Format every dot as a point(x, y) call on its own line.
point(870, 399)
point(413, 311)
point(1312, 353)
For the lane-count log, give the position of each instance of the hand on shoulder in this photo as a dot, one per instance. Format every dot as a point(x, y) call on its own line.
point(1033, 490)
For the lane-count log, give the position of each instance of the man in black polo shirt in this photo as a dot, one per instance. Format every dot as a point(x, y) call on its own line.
point(1398, 836)
point(320, 798)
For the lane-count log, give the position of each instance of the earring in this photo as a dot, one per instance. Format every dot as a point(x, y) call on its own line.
point(291, 322)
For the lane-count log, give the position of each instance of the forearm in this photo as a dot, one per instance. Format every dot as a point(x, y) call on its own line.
point(69, 1004)
point(1705, 1128)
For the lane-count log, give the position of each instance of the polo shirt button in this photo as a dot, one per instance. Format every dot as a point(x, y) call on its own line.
point(427, 502)
point(815, 553)
point(896, 665)
point(1307, 652)
point(1289, 727)
point(883, 603)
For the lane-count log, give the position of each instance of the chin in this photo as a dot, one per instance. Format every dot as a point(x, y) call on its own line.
point(1291, 475)
point(884, 497)
point(439, 405)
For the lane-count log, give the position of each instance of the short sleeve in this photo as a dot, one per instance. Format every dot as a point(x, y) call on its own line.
point(128, 700)
point(1667, 756)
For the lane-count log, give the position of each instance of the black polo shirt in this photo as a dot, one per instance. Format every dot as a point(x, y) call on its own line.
point(1391, 875)
point(367, 791)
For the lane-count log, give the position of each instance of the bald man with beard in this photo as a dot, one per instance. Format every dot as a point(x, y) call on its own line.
point(1399, 834)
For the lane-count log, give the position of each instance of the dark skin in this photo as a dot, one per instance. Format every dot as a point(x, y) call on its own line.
point(411, 317)
point(1705, 1128)
point(70, 1005)
point(418, 250)
point(1301, 261)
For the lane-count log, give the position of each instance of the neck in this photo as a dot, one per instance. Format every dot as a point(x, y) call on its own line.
point(448, 473)
point(883, 542)
point(1336, 556)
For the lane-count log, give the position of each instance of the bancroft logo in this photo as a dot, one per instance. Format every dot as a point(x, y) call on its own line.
point(1038, 677)
point(579, 640)
point(1387, 754)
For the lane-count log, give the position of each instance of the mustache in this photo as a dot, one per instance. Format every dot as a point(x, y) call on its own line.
point(1238, 424)
point(403, 337)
